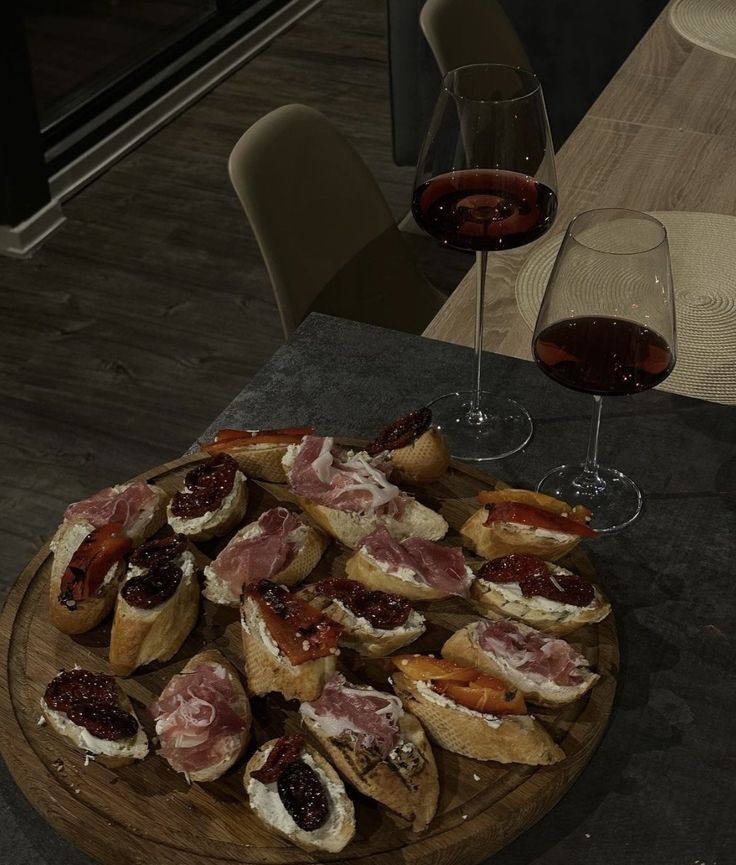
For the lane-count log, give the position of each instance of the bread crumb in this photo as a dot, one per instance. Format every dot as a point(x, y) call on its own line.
point(465, 816)
point(476, 777)
point(41, 722)
point(587, 834)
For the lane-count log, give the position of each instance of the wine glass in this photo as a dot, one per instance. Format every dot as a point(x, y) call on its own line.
point(606, 327)
point(485, 181)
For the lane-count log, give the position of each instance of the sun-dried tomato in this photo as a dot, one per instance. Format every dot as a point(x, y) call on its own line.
point(103, 720)
point(303, 795)
point(402, 432)
point(159, 550)
point(384, 610)
point(207, 485)
point(152, 588)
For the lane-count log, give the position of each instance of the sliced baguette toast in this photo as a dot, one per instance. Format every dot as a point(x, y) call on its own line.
point(267, 669)
point(423, 461)
point(350, 527)
point(140, 636)
point(406, 784)
point(88, 613)
point(496, 601)
point(240, 740)
point(310, 551)
point(266, 804)
point(463, 649)
point(506, 739)
point(358, 634)
point(366, 570)
point(262, 463)
point(501, 539)
point(116, 753)
point(216, 523)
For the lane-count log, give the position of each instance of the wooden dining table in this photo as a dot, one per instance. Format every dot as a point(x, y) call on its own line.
point(661, 136)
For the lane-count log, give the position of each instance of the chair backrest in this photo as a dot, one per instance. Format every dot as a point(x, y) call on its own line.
point(326, 234)
point(463, 32)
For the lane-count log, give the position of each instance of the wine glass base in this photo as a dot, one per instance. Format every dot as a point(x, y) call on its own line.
point(500, 427)
point(613, 498)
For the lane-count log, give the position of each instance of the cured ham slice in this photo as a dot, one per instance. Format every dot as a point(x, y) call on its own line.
point(437, 565)
point(120, 504)
point(346, 483)
point(200, 717)
point(260, 556)
point(371, 716)
point(530, 651)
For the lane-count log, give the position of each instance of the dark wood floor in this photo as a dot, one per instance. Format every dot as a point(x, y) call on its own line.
point(148, 311)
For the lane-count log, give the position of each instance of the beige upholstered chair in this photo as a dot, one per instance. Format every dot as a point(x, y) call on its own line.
point(324, 229)
point(462, 32)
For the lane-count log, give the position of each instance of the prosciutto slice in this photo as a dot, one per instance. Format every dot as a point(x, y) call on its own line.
point(530, 651)
point(436, 565)
point(354, 483)
point(121, 504)
point(371, 716)
point(247, 560)
point(197, 719)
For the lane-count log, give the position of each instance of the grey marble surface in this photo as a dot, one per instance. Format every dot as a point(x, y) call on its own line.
point(659, 790)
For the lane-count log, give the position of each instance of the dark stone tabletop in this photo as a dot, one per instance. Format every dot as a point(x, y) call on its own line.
point(660, 789)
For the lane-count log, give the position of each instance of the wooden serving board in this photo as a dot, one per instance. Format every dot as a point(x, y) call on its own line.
point(146, 813)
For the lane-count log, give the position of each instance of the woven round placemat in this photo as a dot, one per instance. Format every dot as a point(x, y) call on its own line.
point(703, 252)
point(711, 24)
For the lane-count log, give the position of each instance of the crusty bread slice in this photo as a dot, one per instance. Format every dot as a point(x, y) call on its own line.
point(501, 539)
point(407, 785)
point(507, 739)
point(267, 669)
point(339, 828)
point(261, 463)
point(540, 613)
point(423, 461)
point(90, 612)
point(219, 522)
point(464, 650)
point(216, 770)
point(366, 570)
point(358, 634)
point(312, 548)
point(350, 527)
point(121, 753)
point(141, 636)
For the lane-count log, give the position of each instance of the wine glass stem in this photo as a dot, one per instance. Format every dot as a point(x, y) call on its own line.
point(475, 415)
point(589, 477)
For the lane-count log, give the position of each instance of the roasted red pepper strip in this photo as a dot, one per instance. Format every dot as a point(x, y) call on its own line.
point(528, 515)
point(301, 631)
point(293, 433)
point(94, 557)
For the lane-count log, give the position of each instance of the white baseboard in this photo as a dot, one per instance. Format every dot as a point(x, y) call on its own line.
point(21, 240)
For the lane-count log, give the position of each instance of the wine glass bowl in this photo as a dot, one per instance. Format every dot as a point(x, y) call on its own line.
point(606, 327)
point(485, 181)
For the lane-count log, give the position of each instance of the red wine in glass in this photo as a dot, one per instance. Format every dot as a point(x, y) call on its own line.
point(485, 182)
point(603, 355)
point(484, 209)
point(606, 327)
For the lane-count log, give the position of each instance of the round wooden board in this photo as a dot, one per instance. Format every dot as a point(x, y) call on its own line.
point(146, 813)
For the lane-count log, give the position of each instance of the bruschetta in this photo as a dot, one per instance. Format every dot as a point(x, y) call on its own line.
point(470, 713)
point(278, 546)
point(348, 494)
